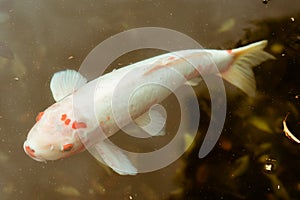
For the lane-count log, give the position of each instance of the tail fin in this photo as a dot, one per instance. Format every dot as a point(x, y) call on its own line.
point(240, 73)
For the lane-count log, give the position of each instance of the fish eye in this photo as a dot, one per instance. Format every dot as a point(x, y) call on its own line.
point(67, 147)
point(39, 116)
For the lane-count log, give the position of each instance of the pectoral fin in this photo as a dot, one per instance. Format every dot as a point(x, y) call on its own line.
point(153, 121)
point(194, 82)
point(65, 82)
point(113, 157)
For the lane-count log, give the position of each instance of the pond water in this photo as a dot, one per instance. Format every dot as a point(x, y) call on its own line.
point(253, 158)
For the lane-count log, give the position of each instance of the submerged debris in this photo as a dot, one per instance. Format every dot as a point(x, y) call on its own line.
point(71, 57)
point(241, 166)
point(287, 132)
point(265, 1)
point(98, 187)
point(227, 25)
point(278, 188)
point(277, 48)
point(270, 164)
point(67, 190)
point(260, 123)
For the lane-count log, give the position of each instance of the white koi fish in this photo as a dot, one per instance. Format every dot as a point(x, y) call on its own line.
point(58, 133)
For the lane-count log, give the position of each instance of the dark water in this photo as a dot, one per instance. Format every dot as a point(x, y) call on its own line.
point(37, 39)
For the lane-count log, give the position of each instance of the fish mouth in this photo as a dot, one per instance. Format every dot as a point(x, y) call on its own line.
point(31, 153)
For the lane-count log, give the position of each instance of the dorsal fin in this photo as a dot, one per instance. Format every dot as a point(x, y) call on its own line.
point(65, 82)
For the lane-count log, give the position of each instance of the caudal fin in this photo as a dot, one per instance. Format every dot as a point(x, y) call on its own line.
point(240, 72)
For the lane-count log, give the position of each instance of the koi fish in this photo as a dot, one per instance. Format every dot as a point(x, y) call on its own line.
point(57, 133)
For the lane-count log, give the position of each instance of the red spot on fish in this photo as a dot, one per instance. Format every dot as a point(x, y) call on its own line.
point(67, 147)
point(235, 56)
point(155, 68)
point(172, 63)
point(67, 122)
point(77, 125)
point(160, 66)
point(63, 117)
point(39, 116)
point(103, 126)
point(30, 151)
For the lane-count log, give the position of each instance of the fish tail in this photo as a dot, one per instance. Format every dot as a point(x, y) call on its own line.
point(240, 72)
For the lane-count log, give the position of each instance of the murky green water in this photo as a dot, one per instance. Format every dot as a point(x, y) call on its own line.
point(37, 39)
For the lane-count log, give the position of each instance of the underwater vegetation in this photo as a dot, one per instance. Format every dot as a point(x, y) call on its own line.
point(254, 159)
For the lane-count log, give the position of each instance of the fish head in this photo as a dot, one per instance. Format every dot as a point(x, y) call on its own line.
point(55, 134)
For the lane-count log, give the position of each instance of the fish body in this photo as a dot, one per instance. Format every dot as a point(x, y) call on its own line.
point(65, 128)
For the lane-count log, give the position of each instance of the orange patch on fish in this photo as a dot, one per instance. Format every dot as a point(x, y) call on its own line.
point(103, 126)
point(77, 125)
point(108, 118)
point(39, 116)
point(160, 66)
point(63, 117)
point(67, 122)
point(172, 62)
point(67, 147)
point(157, 67)
point(30, 151)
